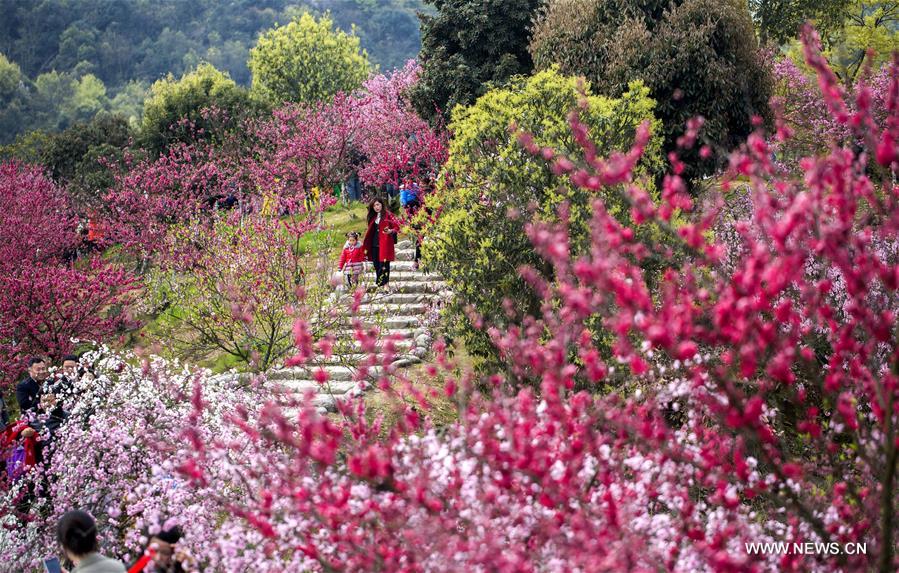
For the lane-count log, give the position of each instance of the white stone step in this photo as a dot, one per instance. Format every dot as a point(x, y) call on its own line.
point(401, 297)
point(331, 387)
point(335, 372)
point(397, 344)
point(402, 333)
point(388, 323)
point(416, 276)
point(391, 309)
point(357, 358)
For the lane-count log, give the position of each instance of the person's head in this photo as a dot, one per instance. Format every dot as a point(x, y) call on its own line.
point(375, 208)
point(163, 543)
point(76, 533)
point(70, 365)
point(37, 369)
point(352, 237)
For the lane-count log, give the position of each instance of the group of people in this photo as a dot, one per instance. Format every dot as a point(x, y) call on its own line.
point(77, 535)
point(379, 242)
point(41, 399)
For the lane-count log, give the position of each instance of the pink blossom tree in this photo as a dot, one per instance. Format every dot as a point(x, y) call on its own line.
point(235, 285)
point(306, 146)
point(46, 300)
point(396, 143)
point(37, 221)
point(151, 195)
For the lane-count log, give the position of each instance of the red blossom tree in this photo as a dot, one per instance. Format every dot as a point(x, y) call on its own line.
point(45, 299)
point(751, 393)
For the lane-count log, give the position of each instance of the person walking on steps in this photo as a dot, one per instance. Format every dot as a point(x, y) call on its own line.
point(380, 240)
point(352, 259)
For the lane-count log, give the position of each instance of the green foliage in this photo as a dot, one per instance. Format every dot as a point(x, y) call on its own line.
point(698, 57)
point(126, 44)
point(80, 158)
point(172, 100)
point(14, 102)
point(307, 61)
point(867, 26)
point(493, 187)
point(779, 20)
point(467, 47)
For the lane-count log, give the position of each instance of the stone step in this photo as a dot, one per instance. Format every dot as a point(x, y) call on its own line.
point(402, 266)
point(400, 297)
point(324, 403)
point(331, 387)
point(414, 276)
point(354, 358)
point(388, 324)
point(390, 309)
point(402, 333)
point(417, 287)
point(335, 372)
point(398, 344)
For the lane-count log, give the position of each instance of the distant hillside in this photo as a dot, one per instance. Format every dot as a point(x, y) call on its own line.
point(50, 46)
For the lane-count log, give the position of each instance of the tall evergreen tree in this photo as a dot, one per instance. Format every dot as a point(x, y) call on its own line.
point(468, 46)
point(698, 58)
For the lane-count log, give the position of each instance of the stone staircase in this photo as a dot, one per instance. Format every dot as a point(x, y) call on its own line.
point(400, 314)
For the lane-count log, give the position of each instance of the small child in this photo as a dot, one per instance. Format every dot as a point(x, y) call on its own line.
point(352, 259)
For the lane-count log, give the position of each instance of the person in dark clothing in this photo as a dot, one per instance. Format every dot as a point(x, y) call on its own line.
point(28, 391)
point(167, 557)
point(380, 239)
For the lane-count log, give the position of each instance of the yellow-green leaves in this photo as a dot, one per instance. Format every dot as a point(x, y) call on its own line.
point(306, 61)
point(492, 186)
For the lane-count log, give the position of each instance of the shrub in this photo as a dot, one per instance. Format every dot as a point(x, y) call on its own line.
point(491, 187)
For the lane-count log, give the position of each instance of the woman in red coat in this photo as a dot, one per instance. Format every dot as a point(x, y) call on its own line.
point(379, 240)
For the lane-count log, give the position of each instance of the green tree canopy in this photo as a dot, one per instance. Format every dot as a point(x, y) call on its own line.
point(866, 26)
point(79, 157)
point(468, 46)
point(779, 20)
point(492, 187)
point(698, 57)
point(14, 102)
point(306, 61)
point(172, 100)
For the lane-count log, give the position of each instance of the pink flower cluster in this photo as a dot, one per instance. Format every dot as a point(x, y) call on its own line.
point(45, 298)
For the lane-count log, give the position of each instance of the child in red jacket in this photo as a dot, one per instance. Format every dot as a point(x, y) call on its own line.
point(352, 259)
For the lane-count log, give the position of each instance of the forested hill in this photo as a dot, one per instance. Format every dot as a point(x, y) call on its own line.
point(63, 60)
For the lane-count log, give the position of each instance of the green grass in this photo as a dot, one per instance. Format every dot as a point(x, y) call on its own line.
point(338, 221)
